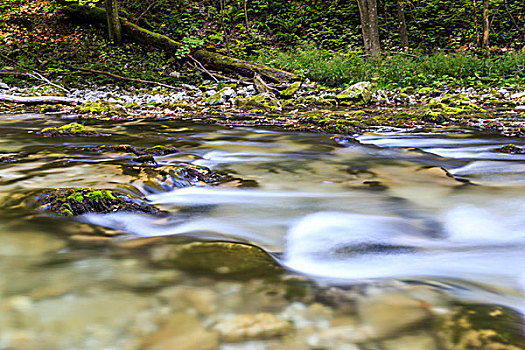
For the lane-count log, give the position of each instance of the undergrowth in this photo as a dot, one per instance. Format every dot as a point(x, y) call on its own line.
point(400, 69)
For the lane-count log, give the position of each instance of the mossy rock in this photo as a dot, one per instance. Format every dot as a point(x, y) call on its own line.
point(234, 260)
point(71, 129)
point(265, 100)
point(73, 201)
point(361, 91)
point(511, 149)
point(482, 326)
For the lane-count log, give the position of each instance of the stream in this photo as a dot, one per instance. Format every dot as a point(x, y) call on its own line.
point(402, 226)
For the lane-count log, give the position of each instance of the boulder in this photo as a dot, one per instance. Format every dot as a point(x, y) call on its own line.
point(357, 92)
point(233, 260)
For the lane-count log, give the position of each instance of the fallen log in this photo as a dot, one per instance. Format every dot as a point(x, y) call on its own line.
point(38, 99)
point(146, 37)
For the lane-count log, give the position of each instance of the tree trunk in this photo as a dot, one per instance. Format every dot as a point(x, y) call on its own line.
point(403, 35)
point(475, 5)
point(375, 48)
point(246, 13)
point(114, 27)
point(159, 41)
point(363, 14)
point(486, 25)
point(369, 25)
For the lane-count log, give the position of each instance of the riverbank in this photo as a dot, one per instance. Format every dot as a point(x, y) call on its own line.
point(301, 107)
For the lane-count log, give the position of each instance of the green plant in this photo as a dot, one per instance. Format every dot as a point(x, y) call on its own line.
point(188, 43)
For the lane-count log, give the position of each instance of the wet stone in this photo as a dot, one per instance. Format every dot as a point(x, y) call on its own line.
point(249, 327)
point(74, 201)
point(182, 332)
point(146, 159)
point(234, 260)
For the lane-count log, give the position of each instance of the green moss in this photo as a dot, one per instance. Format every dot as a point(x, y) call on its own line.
point(71, 129)
point(76, 196)
point(77, 201)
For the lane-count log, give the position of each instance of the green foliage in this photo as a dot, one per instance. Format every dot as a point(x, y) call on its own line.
point(400, 70)
point(188, 43)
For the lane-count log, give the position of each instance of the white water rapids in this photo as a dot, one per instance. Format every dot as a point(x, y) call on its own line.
point(315, 205)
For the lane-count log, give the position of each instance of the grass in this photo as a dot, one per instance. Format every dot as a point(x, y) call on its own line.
point(401, 70)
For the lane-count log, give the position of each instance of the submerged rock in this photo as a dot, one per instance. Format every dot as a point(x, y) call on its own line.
point(511, 149)
point(182, 332)
point(235, 260)
point(482, 326)
point(74, 201)
point(71, 129)
point(248, 327)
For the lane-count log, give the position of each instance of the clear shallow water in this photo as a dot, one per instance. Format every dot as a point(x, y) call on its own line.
point(336, 211)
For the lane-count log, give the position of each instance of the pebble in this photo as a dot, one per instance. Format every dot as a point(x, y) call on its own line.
point(182, 332)
point(203, 300)
point(343, 338)
point(411, 342)
point(302, 316)
point(254, 326)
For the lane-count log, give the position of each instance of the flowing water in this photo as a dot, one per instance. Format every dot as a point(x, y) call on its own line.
point(434, 216)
